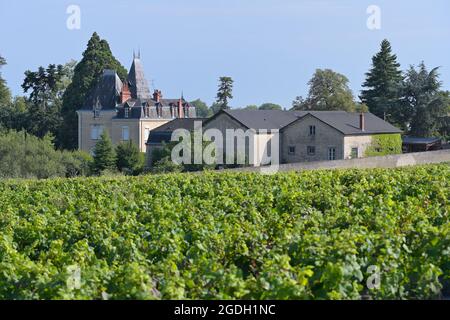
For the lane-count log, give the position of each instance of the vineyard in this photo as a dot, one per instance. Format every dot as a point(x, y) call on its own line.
point(341, 234)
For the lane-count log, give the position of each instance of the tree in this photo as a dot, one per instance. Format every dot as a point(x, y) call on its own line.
point(13, 115)
point(251, 107)
point(270, 106)
point(328, 90)
point(5, 94)
point(202, 109)
point(444, 121)
point(383, 84)
point(224, 92)
point(423, 104)
point(104, 155)
point(96, 58)
point(43, 85)
point(129, 159)
point(46, 86)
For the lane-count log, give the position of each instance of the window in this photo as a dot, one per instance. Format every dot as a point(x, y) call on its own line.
point(291, 150)
point(354, 153)
point(125, 133)
point(96, 131)
point(311, 150)
point(127, 111)
point(312, 130)
point(332, 153)
point(96, 113)
point(159, 111)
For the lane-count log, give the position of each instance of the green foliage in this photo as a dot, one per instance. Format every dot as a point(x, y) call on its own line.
point(165, 165)
point(384, 144)
point(13, 115)
point(129, 159)
point(224, 92)
point(25, 156)
point(104, 154)
point(308, 235)
point(96, 58)
point(162, 159)
point(45, 85)
point(5, 94)
point(202, 109)
point(77, 163)
point(270, 106)
point(40, 113)
point(383, 83)
point(423, 104)
point(328, 90)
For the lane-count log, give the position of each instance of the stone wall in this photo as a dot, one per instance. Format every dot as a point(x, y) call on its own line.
point(296, 135)
point(391, 161)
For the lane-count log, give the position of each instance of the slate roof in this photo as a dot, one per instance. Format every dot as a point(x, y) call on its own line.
point(348, 122)
point(106, 93)
point(262, 119)
point(345, 122)
point(167, 108)
point(137, 82)
point(164, 133)
point(417, 140)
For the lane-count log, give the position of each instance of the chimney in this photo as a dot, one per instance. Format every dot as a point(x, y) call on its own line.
point(125, 94)
point(157, 95)
point(362, 124)
point(180, 108)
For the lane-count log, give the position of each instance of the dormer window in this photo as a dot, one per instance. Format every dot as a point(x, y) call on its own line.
point(96, 113)
point(127, 111)
point(159, 110)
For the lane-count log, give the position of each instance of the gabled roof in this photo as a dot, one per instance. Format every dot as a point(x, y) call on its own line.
point(348, 122)
point(136, 80)
point(260, 119)
point(345, 122)
point(105, 94)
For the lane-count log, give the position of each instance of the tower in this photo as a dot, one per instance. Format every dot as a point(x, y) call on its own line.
point(136, 79)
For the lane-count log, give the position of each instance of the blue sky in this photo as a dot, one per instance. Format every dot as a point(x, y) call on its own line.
point(269, 47)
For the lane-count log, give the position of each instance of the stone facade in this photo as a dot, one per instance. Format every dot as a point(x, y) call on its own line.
point(310, 139)
point(119, 130)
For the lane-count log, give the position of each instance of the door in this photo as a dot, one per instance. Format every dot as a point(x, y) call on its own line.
point(332, 153)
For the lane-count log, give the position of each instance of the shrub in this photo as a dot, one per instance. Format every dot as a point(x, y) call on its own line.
point(129, 159)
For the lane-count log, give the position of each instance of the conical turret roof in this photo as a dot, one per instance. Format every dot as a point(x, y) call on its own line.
point(136, 79)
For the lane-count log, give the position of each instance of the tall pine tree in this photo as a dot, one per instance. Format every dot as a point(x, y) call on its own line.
point(96, 58)
point(383, 84)
point(225, 92)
